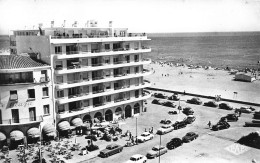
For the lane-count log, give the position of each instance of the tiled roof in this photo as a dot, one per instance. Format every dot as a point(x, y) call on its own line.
point(17, 61)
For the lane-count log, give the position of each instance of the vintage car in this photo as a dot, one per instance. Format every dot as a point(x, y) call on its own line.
point(165, 129)
point(195, 100)
point(230, 117)
point(225, 106)
point(156, 101)
point(145, 137)
point(110, 150)
point(172, 112)
point(169, 104)
point(137, 158)
point(220, 126)
point(245, 110)
point(166, 121)
point(174, 143)
point(189, 119)
point(177, 125)
point(211, 104)
point(160, 95)
point(188, 111)
point(156, 151)
point(174, 97)
point(189, 137)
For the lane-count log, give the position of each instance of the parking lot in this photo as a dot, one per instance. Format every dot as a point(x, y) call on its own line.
point(211, 146)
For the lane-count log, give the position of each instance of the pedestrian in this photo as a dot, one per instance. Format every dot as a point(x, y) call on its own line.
point(240, 112)
point(209, 124)
point(130, 136)
point(151, 130)
point(144, 129)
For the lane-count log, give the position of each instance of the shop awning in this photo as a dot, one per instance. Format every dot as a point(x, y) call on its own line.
point(16, 135)
point(2, 136)
point(77, 122)
point(34, 132)
point(48, 128)
point(64, 125)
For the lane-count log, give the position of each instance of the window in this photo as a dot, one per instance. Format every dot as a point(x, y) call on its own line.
point(136, 58)
point(108, 98)
point(60, 93)
point(31, 93)
point(107, 46)
point(32, 114)
point(45, 92)
point(59, 79)
point(136, 93)
point(136, 69)
point(58, 49)
point(61, 108)
point(46, 109)
point(13, 95)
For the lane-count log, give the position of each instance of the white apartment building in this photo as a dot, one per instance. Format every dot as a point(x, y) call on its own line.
point(97, 72)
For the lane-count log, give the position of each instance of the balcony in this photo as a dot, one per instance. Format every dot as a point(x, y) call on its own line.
point(75, 83)
point(102, 92)
point(22, 121)
point(101, 106)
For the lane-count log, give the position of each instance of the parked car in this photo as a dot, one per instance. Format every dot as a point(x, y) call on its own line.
point(230, 117)
point(195, 100)
point(189, 137)
point(245, 110)
point(92, 147)
point(165, 129)
point(166, 121)
point(174, 97)
point(145, 137)
point(155, 101)
point(220, 126)
point(211, 104)
point(225, 106)
point(177, 125)
point(137, 158)
point(189, 119)
point(188, 111)
point(110, 150)
point(172, 112)
point(156, 151)
point(174, 143)
point(169, 104)
point(160, 95)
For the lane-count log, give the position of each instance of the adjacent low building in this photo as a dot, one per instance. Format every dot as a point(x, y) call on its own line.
point(245, 77)
point(25, 99)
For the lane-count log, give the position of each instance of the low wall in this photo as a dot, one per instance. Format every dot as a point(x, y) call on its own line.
point(202, 96)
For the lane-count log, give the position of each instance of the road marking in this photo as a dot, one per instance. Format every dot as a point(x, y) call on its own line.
point(237, 149)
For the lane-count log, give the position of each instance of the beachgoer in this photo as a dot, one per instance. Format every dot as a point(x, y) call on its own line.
point(209, 124)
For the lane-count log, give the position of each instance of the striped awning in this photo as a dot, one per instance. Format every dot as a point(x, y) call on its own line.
point(48, 128)
point(16, 135)
point(34, 132)
point(2, 136)
point(64, 125)
point(77, 122)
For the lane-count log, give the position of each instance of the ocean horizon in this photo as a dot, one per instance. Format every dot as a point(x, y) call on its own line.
point(216, 49)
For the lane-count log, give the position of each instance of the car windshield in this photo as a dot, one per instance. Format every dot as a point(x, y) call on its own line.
point(155, 149)
point(133, 159)
point(189, 134)
point(165, 126)
point(144, 134)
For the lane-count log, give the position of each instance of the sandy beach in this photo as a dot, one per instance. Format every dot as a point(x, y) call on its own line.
point(205, 82)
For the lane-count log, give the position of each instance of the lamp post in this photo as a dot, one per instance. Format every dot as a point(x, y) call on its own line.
point(160, 149)
point(136, 130)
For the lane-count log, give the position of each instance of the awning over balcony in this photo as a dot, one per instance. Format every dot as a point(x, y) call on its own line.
point(48, 129)
point(77, 122)
point(2, 136)
point(16, 135)
point(34, 132)
point(64, 125)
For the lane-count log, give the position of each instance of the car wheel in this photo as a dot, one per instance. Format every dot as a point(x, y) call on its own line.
point(144, 161)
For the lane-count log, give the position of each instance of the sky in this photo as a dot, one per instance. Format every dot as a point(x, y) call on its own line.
point(150, 16)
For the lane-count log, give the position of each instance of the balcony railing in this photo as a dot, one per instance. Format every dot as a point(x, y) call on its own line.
point(97, 36)
point(22, 120)
point(120, 62)
point(97, 64)
point(98, 91)
point(98, 78)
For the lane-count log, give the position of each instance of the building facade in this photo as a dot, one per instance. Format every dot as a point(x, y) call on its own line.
point(25, 98)
point(97, 73)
